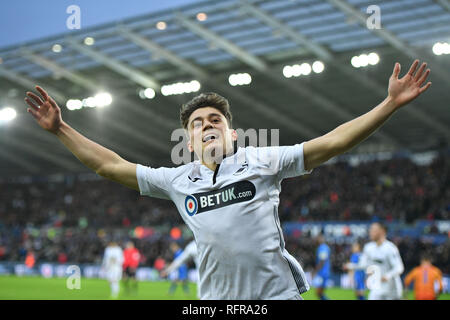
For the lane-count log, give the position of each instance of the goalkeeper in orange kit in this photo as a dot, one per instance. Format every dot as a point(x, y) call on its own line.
point(424, 278)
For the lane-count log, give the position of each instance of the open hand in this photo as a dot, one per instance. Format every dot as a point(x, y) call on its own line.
point(401, 91)
point(44, 110)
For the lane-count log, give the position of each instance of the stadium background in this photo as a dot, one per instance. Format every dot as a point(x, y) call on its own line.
point(54, 208)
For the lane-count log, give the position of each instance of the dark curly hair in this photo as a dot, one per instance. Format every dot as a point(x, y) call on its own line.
point(208, 99)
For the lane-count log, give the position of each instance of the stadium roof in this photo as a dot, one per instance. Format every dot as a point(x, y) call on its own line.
point(257, 37)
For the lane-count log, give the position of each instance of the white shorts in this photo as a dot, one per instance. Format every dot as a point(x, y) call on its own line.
point(393, 290)
point(378, 295)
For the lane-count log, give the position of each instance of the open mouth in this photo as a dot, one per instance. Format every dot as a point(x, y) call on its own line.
point(210, 136)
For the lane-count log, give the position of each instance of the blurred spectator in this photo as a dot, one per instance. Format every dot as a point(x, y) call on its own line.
point(159, 264)
point(30, 260)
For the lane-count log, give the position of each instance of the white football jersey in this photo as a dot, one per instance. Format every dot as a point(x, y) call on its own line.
point(113, 257)
point(233, 214)
point(382, 261)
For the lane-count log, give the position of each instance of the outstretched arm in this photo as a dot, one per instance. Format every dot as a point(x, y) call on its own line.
point(100, 159)
point(346, 136)
point(362, 264)
point(182, 258)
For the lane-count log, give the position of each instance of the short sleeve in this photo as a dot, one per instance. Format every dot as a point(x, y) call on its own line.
point(283, 162)
point(292, 162)
point(153, 182)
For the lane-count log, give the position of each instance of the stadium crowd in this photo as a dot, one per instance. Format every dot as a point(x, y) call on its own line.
point(71, 218)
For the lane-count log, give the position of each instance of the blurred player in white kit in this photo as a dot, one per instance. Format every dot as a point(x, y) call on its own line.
point(383, 264)
point(112, 265)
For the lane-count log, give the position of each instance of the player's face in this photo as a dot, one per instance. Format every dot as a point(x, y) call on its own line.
point(355, 248)
point(375, 232)
point(320, 239)
point(209, 134)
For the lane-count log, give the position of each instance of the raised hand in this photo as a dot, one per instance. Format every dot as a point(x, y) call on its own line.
point(44, 110)
point(404, 90)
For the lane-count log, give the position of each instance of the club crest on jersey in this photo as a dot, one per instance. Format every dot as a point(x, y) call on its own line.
point(191, 205)
point(234, 193)
point(241, 169)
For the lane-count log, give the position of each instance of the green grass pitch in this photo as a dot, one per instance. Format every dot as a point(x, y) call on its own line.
point(31, 288)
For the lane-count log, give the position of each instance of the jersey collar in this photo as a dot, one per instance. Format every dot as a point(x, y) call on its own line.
point(198, 170)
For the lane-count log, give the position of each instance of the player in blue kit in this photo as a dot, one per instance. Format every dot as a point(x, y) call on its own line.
point(182, 271)
point(358, 275)
point(323, 268)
